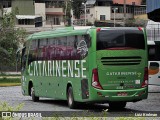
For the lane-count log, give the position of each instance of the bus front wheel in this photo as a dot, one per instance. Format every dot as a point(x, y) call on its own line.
point(117, 105)
point(70, 98)
point(34, 98)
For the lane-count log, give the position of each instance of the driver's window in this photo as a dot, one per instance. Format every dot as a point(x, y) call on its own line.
point(24, 55)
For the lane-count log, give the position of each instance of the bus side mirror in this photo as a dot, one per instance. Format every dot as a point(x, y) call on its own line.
point(18, 58)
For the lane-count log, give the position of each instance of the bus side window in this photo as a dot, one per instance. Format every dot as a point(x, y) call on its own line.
point(82, 47)
point(52, 48)
point(42, 49)
point(33, 51)
point(87, 38)
point(23, 62)
point(71, 48)
point(75, 42)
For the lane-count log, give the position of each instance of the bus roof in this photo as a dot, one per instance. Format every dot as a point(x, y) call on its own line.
point(65, 31)
point(120, 28)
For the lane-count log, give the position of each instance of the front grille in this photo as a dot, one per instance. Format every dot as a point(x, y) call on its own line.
point(135, 60)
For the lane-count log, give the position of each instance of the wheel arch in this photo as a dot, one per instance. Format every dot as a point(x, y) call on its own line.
point(30, 85)
point(69, 84)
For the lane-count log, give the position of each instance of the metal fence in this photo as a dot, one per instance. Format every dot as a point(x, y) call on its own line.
point(153, 32)
point(78, 22)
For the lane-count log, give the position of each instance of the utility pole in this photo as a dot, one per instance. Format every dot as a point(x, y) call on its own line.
point(84, 13)
point(114, 9)
point(66, 5)
point(124, 6)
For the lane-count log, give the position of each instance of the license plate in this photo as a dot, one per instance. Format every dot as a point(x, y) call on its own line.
point(122, 94)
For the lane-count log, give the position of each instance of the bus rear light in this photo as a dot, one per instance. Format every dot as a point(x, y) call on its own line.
point(99, 93)
point(98, 29)
point(95, 80)
point(140, 94)
point(139, 28)
point(145, 80)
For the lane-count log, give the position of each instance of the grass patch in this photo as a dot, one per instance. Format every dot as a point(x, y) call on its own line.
point(4, 74)
point(9, 81)
point(4, 106)
point(9, 84)
point(10, 75)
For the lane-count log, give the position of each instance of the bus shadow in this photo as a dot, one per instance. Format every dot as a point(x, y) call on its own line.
point(88, 107)
point(80, 106)
point(102, 108)
point(62, 103)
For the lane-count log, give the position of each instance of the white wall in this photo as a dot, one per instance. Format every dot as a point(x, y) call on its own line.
point(96, 11)
point(54, 9)
point(100, 10)
point(40, 10)
point(7, 10)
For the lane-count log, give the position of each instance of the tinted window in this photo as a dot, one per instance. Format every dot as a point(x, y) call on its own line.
point(33, 52)
point(77, 47)
point(129, 39)
point(56, 48)
point(60, 48)
point(153, 53)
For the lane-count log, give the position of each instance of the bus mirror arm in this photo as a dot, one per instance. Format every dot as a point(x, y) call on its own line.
point(18, 58)
point(30, 59)
point(23, 58)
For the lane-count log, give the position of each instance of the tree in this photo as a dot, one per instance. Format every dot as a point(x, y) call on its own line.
point(10, 38)
point(135, 23)
point(76, 6)
point(67, 10)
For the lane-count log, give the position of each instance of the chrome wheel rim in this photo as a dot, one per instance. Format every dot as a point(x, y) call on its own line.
point(70, 99)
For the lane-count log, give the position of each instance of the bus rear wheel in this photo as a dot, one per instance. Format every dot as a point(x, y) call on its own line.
point(70, 98)
point(117, 105)
point(34, 98)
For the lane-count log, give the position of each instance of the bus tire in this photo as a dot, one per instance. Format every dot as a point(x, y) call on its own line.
point(117, 105)
point(34, 98)
point(70, 98)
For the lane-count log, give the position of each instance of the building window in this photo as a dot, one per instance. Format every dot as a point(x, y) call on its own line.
point(102, 17)
point(25, 22)
point(56, 4)
point(6, 4)
point(53, 20)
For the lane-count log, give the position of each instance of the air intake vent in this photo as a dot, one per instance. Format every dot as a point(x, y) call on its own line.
point(121, 60)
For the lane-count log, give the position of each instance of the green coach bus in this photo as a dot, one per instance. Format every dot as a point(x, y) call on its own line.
point(92, 65)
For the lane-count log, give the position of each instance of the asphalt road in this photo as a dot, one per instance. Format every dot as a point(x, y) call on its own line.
point(13, 96)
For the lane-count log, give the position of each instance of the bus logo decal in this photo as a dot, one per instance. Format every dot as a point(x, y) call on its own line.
point(121, 73)
point(82, 48)
point(139, 74)
point(63, 68)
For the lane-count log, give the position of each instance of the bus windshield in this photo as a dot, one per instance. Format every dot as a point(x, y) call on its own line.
point(120, 39)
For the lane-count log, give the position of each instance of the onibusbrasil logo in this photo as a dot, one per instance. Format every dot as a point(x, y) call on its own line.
point(20, 114)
